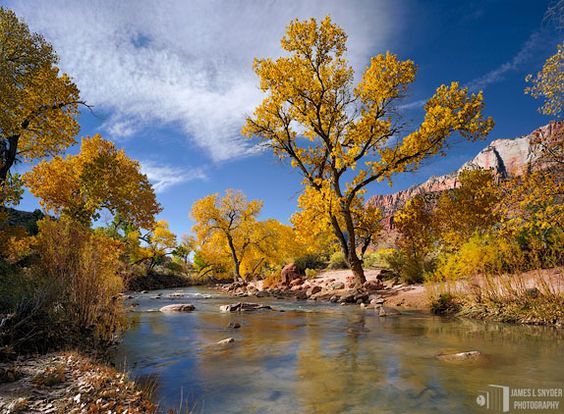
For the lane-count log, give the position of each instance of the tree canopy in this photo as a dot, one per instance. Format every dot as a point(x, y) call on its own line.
point(39, 105)
point(342, 137)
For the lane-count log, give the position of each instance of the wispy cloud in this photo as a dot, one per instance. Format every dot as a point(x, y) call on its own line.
point(186, 63)
point(534, 43)
point(165, 176)
point(525, 53)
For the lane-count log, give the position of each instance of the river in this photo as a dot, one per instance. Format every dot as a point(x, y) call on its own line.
point(326, 358)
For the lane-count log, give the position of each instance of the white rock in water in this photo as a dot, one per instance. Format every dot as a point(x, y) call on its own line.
point(226, 341)
point(179, 307)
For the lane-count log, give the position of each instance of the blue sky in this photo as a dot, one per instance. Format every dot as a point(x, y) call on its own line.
point(171, 81)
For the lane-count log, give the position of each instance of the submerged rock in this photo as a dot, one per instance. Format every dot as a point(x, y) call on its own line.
point(179, 307)
point(234, 325)
point(386, 311)
point(226, 341)
point(461, 356)
point(243, 307)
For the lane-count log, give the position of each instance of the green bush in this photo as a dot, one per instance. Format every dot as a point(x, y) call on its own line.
point(377, 259)
point(445, 304)
point(337, 261)
point(311, 273)
point(309, 261)
point(410, 269)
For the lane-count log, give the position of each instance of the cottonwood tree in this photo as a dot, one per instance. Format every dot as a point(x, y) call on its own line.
point(342, 138)
point(230, 221)
point(159, 243)
point(39, 105)
point(549, 83)
point(100, 177)
point(319, 206)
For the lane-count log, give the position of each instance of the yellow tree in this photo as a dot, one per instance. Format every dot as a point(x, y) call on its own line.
point(99, 177)
point(231, 220)
point(340, 137)
point(467, 209)
point(160, 242)
point(549, 83)
point(39, 105)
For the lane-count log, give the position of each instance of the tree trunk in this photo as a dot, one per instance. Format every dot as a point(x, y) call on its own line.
point(236, 263)
point(354, 262)
point(356, 266)
point(8, 152)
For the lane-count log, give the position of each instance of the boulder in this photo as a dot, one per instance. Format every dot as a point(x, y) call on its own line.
point(338, 285)
point(296, 282)
point(178, 307)
point(373, 285)
point(234, 325)
point(377, 301)
point(313, 290)
point(334, 299)
point(226, 341)
point(289, 273)
point(301, 295)
point(243, 307)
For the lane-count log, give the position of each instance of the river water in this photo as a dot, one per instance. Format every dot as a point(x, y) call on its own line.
point(325, 358)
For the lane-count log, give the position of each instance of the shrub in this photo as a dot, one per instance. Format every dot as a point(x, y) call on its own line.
point(337, 261)
point(311, 273)
point(445, 304)
point(377, 259)
point(69, 294)
point(309, 261)
point(411, 269)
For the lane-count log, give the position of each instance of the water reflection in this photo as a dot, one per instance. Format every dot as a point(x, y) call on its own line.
point(329, 359)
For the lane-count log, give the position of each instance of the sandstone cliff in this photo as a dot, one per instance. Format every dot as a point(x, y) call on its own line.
point(506, 157)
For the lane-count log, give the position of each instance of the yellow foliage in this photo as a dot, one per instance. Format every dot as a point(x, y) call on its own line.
point(352, 134)
point(549, 83)
point(84, 268)
point(39, 105)
point(467, 209)
point(99, 177)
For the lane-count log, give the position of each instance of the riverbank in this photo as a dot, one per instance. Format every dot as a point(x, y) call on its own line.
point(534, 297)
point(70, 383)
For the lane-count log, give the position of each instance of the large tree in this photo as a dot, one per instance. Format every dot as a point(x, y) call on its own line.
point(38, 105)
point(99, 178)
point(342, 137)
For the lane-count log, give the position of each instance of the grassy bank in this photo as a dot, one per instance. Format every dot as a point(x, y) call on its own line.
point(535, 297)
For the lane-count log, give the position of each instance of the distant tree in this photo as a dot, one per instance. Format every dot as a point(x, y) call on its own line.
point(38, 105)
point(470, 208)
point(230, 220)
point(99, 177)
point(160, 242)
point(342, 138)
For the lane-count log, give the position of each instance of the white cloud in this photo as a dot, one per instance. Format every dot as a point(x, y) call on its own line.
point(164, 176)
point(186, 64)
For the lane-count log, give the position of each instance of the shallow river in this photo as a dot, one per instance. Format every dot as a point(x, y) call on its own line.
point(325, 358)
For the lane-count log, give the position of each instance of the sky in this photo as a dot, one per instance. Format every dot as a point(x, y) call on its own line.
point(171, 81)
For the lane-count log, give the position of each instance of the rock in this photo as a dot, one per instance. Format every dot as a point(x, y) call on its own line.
point(377, 301)
point(313, 290)
point(289, 273)
point(506, 157)
point(373, 285)
point(296, 282)
point(243, 307)
point(361, 297)
point(461, 356)
point(226, 341)
point(144, 291)
point(338, 286)
point(385, 311)
point(234, 325)
point(301, 295)
point(334, 299)
point(178, 307)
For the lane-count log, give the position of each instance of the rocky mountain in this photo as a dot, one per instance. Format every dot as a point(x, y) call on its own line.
point(506, 157)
